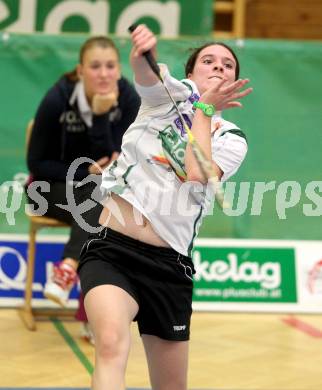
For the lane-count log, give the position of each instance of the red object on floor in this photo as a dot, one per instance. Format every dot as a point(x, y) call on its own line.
point(303, 326)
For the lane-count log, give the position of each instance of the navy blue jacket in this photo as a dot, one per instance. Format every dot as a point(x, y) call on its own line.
point(60, 135)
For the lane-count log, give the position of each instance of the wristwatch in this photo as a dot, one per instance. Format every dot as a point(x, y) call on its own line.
point(207, 109)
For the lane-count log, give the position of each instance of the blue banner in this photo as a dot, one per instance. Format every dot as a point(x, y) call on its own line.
point(13, 269)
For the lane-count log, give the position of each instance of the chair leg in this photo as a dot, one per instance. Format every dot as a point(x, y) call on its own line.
point(26, 311)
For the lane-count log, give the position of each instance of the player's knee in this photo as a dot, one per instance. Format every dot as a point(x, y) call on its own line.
point(111, 344)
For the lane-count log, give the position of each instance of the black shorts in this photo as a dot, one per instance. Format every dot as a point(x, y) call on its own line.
point(159, 279)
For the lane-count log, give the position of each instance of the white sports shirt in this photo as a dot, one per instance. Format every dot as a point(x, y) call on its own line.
point(150, 172)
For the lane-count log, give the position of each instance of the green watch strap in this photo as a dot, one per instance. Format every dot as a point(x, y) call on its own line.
point(207, 109)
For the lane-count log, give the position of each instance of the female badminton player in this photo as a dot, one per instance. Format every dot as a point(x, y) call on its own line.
point(139, 268)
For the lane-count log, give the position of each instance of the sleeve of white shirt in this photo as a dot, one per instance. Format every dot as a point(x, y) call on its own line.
point(156, 95)
point(228, 152)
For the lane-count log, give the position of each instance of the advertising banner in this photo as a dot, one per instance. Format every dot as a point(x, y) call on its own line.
point(13, 269)
point(169, 18)
point(258, 275)
point(244, 274)
point(231, 275)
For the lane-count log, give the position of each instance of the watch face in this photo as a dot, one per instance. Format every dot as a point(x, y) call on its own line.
point(209, 110)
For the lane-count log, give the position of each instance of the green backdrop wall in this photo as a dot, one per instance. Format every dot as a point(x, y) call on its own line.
point(282, 120)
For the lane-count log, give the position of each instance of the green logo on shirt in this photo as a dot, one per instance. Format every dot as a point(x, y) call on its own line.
point(174, 148)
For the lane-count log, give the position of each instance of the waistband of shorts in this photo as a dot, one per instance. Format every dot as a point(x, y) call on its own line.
point(124, 240)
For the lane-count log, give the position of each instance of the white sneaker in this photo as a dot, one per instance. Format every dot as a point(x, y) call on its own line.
point(62, 281)
point(86, 333)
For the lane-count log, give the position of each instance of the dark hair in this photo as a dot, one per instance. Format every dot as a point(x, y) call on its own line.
point(193, 57)
point(97, 41)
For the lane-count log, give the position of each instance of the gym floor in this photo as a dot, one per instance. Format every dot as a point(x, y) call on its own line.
point(228, 351)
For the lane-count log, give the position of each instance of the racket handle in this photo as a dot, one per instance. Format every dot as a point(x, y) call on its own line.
point(148, 56)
